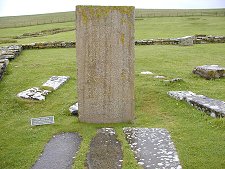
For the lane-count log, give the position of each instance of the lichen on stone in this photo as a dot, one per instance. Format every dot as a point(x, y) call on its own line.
point(93, 12)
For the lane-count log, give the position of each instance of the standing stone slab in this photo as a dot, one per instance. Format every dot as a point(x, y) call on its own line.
point(105, 61)
point(105, 151)
point(153, 147)
point(60, 152)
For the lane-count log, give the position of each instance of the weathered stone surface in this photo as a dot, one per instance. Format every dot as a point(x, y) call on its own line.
point(3, 66)
point(46, 45)
point(186, 41)
point(205, 39)
point(56, 81)
point(33, 93)
point(213, 107)
point(153, 147)
point(60, 152)
point(105, 62)
point(74, 109)
point(159, 77)
point(173, 80)
point(209, 71)
point(10, 52)
point(105, 151)
point(146, 73)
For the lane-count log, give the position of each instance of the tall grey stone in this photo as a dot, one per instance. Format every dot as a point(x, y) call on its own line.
point(105, 62)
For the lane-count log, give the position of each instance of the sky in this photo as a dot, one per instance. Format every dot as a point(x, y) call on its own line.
point(28, 7)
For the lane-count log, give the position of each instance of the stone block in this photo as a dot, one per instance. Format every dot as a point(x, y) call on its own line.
point(186, 41)
point(105, 62)
point(209, 71)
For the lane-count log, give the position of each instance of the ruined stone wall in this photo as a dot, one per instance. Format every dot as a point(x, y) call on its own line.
point(197, 39)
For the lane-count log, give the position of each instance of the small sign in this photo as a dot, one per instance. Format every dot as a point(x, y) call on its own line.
point(42, 120)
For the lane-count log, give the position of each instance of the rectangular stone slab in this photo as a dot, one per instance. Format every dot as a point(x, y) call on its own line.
point(212, 107)
point(153, 147)
point(105, 62)
point(105, 151)
point(59, 152)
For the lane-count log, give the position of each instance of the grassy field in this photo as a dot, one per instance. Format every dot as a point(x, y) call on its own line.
point(199, 139)
point(61, 17)
point(159, 27)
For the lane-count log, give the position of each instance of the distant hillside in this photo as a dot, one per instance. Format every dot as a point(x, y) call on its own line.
point(26, 20)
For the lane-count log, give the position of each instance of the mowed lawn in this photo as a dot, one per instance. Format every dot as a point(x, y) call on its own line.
point(199, 139)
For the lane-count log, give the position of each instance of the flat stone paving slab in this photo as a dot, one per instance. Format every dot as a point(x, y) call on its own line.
point(153, 148)
point(56, 81)
point(60, 152)
point(212, 107)
point(105, 151)
point(210, 71)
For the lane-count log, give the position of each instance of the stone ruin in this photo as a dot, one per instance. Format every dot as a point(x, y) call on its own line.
point(8, 53)
point(209, 71)
point(3, 66)
point(36, 93)
point(105, 63)
point(212, 107)
point(186, 41)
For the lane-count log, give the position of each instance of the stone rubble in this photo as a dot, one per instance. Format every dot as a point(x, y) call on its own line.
point(34, 93)
point(56, 81)
point(212, 107)
point(74, 109)
point(210, 71)
point(153, 147)
point(173, 80)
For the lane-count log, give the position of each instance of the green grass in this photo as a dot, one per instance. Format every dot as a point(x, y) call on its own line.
point(60, 17)
point(160, 27)
point(199, 139)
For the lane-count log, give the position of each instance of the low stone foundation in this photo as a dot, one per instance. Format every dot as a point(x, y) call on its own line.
point(55, 44)
point(204, 39)
point(8, 53)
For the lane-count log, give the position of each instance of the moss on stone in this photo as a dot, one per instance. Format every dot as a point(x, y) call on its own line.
point(102, 11)
point(122, 38)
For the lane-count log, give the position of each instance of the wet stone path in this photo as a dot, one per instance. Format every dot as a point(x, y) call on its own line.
point(153, 148)
point(105, 151)
point(60, 152)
